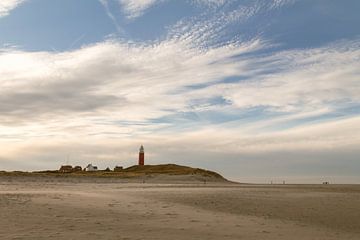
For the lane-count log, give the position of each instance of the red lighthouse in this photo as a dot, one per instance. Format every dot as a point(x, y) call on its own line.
point(141, 156)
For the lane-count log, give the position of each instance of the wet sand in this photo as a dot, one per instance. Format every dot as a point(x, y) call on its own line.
point(114, 210)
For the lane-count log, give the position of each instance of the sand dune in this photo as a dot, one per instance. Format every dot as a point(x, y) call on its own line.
point(78, 210)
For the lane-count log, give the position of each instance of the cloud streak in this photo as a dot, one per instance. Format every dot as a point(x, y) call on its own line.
point(105, 4)
point(136, 8)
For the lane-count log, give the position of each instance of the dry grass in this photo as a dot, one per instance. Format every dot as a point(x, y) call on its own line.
point(131, 172)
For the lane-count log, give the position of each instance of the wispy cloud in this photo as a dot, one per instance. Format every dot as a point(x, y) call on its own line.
point(311, 78)
point(95, 83)
point(136, 8)
point(105, 4)
point(7, 5)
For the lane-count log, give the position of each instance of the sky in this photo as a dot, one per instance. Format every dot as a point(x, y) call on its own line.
point(258, 90)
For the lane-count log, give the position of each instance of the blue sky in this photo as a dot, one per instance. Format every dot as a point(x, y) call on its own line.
point(257, 90)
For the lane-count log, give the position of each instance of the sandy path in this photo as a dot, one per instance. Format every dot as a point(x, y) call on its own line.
point(130, 211)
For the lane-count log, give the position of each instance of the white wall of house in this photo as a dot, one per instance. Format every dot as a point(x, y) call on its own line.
point(91, 168)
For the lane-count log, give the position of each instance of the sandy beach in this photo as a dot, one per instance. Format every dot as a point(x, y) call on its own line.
point(71, 209)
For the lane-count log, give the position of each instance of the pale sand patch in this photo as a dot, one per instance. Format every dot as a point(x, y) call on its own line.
point(40, 210)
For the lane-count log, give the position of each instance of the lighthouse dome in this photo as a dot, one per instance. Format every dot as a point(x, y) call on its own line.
point(142, 149)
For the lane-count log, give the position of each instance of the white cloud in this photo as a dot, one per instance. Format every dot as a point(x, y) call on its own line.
point(281, 3)
point(312, 78)
point(100, 77)
point(136, 8)
point(7, 5)
point(210, 3)
point(115, 89)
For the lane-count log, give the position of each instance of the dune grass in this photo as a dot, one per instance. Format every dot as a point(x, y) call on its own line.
point(133, 171)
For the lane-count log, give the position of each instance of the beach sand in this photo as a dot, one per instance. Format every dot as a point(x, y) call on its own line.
point(71, 209)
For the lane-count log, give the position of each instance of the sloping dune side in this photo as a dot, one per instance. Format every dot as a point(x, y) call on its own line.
point(172, 169)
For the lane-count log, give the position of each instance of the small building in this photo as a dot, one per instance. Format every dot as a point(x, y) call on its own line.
point(77, 169)
point(66, 169)
point(91, 168)
point(118, 168)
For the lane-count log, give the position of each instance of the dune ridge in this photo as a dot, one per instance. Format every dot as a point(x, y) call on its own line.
point(154, 173)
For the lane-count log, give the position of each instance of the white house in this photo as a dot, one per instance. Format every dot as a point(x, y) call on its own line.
point(91, 168)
